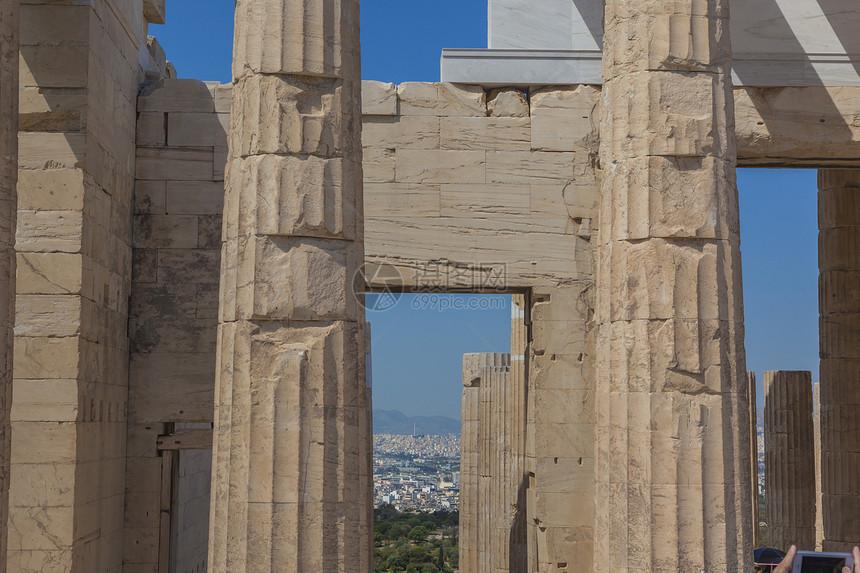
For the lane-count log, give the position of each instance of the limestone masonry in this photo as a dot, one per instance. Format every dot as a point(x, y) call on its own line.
point(184, 380)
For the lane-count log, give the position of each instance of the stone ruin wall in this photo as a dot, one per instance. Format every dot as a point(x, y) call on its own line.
point(117, 317)
point(80, 72)
point(177, 198)
point(503, 176)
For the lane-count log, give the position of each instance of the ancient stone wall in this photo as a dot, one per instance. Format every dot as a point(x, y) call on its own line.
point(490, 186)
point(485, 183)
point(541, 213)
point(79, 80)
point(178, 201)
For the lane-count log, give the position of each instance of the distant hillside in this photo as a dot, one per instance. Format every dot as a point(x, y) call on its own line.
point(396, 422)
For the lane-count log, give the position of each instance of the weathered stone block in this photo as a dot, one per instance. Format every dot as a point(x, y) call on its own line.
point(410, 132)
point(379, 165)
point(53, 66)
point(175, 95)
point(507, 102)
point(193, 197)
point(414, 166)
point(197, 129)
point(378, 98)
point(150, 197)
point(49, 273)
point(151, 129)
point(441, 100)
point(187, 164)
point(165, 231)
point(528, 168)
point(563, 119)
point(486, 133)
point(49, 231)
point(51, 150)
point(52, 189)
point(401, 199)
point(475, 200)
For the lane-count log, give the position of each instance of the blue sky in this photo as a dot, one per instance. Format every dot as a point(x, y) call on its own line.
point(417, 353)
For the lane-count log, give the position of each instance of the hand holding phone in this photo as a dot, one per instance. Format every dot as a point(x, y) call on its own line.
point(792, 560)
point(823, 562)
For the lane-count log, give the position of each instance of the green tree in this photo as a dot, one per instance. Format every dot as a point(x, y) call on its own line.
point(418, 534)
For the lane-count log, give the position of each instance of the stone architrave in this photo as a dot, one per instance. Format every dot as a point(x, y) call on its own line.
point(672, 470)
point(789, 460)
point(839, 332)
point(290, 416)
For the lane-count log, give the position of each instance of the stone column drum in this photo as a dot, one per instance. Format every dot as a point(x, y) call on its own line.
point(789, 460)
point(672, 470)
point(839, 332)
point(290, 418)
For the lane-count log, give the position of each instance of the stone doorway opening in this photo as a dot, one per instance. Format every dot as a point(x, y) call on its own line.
point(431, 353)
point(781, 307)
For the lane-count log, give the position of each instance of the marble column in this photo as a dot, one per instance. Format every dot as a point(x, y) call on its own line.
point(839, 332)
point(753, 419)
point(496, 488)
point(816, 426)
point(789, 460)
point(290, 415)
point(469, 436)
point(672, 470)
point(9, 23)
point(518, 537)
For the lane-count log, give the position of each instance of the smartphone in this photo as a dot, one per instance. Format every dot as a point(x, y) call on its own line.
point(824, 562)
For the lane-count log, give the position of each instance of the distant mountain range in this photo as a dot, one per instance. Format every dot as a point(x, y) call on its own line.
point(396, 422)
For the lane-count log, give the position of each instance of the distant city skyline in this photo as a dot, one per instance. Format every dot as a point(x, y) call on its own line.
point(417, 354)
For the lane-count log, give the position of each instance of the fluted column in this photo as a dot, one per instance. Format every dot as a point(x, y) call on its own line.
point(753, 453)
point(9, 23)
point(789, 460)
point(816, 426)
point(672, 470)
point(496, 490)
point(518, 541)
point(469, 436)
point(839, 332)
point(290, 418)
